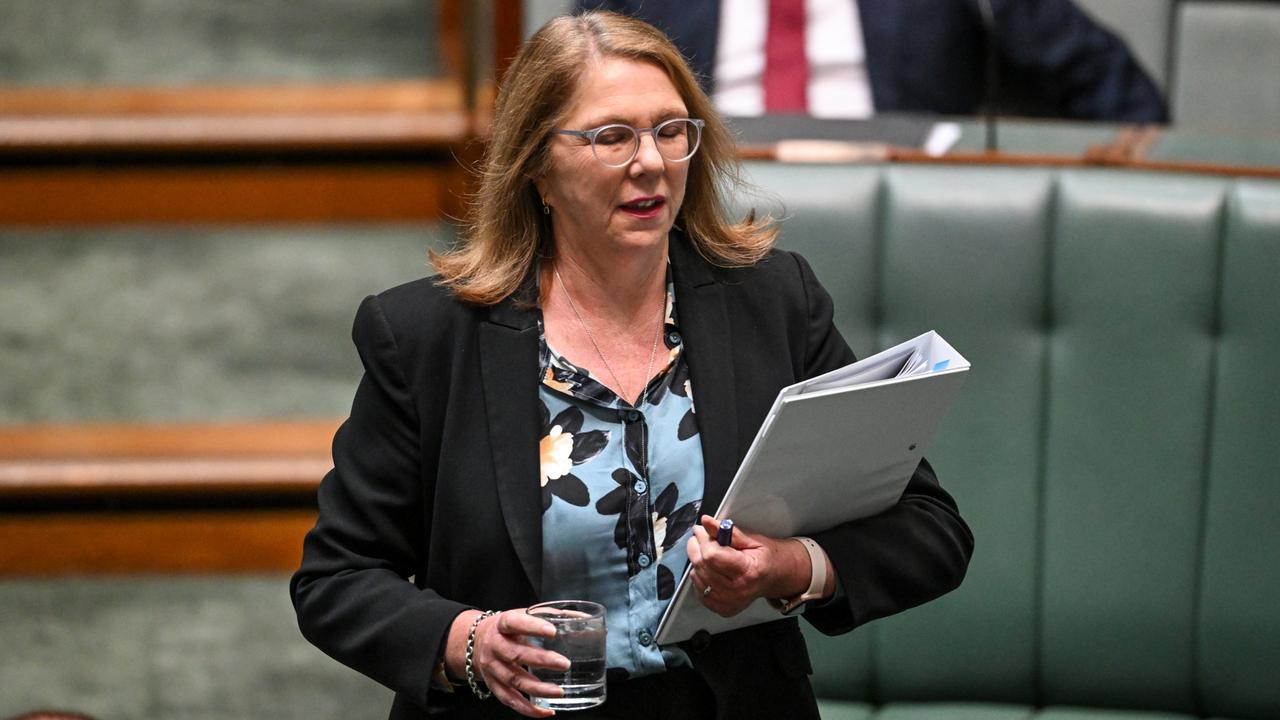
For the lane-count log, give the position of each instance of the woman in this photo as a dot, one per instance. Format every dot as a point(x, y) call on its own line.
point(519, 435)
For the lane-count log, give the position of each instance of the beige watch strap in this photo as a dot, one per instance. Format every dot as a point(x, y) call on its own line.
point(817, 578)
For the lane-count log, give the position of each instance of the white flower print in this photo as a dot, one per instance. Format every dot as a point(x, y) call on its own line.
point(554, 450)
point(659, 533)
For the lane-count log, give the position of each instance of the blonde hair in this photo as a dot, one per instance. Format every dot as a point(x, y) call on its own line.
point(505, 228)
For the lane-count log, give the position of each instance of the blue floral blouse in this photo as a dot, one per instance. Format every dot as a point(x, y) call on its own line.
point(621, 490)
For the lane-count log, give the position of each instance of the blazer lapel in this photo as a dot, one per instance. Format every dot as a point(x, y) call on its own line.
point(508, 368)
point(704, 322)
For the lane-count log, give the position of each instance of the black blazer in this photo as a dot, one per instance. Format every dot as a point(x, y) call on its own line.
point(930, 56)
point(433, 505)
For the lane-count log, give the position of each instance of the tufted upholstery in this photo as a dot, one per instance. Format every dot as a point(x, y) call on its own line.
point(1113, 448)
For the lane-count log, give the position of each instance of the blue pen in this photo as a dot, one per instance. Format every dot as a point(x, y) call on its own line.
point(724, 535)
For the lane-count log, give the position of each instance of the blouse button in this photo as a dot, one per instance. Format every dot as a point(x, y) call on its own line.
point(673, 338)
point(630, 416)
point(643, 560)
point(645, 637)
point(641, 487)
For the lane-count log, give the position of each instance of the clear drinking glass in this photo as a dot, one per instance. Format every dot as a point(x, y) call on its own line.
point(580, 636)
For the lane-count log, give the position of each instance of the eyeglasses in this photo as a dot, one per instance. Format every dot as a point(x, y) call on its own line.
point(616, 145)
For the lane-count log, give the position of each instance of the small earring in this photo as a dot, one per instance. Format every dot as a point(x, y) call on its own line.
point(546, 209)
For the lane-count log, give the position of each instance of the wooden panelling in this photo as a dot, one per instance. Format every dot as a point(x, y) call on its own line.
point(410, 96)
point(71, 461)
point(251, 193)
point(200, 463)
point(170, 440)
point(212, 132)
point(508, 33)
point(156, 542)
point(203, 476)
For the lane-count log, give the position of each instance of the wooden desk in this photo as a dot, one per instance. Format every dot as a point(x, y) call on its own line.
point(158, 498)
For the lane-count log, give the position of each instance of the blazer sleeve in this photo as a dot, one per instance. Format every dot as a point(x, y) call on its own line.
point(1053, 49)
point(907, 555)
point(353, 594)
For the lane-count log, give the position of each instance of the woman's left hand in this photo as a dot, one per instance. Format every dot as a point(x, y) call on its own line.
point(753, 566)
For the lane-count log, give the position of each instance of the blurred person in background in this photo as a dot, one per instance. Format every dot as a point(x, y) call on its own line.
point(854, 58)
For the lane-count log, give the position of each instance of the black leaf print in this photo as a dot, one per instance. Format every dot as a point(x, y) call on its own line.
point(568, 488)
point(658, 391)
point(688, 426)
point(587, 445)
point(570, 420)
point(679, 523)
point(615, 502)
point(666, 583)
point(634, 441)
point(666, 501)
point(679, 376)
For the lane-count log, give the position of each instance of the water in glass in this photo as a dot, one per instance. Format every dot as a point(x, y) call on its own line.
point(580, 636)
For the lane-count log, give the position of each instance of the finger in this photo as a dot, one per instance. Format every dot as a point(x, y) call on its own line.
point(694, 549)
point(698, 583)
point(531, 656)
point(519, 622)
point(521, 680)
point(701, 535)
point(709, 524)
point(499, 674)
point(528, 684)
point(707, 541)
point(704, 563)
point(707, 546)
point(720, 566)
point(514, 700)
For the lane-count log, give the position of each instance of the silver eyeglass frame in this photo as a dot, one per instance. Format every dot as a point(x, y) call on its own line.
point(590, 136)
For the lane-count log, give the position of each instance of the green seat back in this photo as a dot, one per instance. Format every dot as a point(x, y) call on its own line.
point(1225, 66)
point(1112, 447)
point(1238, 631)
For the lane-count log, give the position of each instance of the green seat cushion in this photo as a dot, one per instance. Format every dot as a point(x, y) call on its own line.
point(843, 710)
point(1074, 713)
point(953, 711)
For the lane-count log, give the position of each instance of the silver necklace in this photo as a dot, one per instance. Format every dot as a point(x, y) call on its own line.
point(653, 350)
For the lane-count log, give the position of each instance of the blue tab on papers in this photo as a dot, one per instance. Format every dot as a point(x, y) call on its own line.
point(941, 365)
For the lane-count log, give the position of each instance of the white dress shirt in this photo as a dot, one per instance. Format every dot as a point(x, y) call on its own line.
point(839, 86)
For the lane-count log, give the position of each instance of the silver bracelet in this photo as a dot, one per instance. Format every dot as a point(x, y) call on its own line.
point(476, 685)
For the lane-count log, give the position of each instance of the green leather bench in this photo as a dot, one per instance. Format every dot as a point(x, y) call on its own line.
point(1113, 449)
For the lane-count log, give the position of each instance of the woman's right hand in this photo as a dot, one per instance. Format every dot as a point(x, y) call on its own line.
point(500, 657)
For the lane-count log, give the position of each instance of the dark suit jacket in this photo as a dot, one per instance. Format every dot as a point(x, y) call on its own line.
point(930, 56)
point(434, 506)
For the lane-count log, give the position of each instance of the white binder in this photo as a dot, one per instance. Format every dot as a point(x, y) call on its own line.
point(834, 448)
